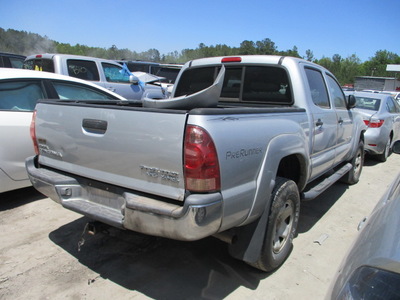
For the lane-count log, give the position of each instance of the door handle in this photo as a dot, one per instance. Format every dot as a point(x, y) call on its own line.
point(319, 123)
point(94, 126)
point(340, 121)
point(111, 89)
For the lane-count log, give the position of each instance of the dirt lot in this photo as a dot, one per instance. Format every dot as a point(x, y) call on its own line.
point(39, 257)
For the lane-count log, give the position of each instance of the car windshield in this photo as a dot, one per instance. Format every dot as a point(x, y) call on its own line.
point(368, 103)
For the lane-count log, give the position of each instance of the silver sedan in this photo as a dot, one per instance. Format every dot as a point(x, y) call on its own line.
point(19, 92)
point(371, 269)
point(381, 114)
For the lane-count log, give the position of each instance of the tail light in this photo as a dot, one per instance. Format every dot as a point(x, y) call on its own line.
point(202, 172)
point(33, 133)
point(230, 59)
point(373, 123)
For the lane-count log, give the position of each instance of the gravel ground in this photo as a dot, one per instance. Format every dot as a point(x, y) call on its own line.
point(39, 257)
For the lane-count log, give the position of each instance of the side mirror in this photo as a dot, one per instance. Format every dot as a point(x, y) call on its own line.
point(351, 101)
point(133, 79)
point(396, 147)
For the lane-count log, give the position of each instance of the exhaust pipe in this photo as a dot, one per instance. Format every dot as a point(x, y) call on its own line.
point(228, 237)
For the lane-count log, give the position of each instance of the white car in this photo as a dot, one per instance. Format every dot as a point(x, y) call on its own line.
point(19, 92)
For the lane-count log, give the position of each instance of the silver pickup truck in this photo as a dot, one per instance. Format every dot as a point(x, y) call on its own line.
point(234, 151)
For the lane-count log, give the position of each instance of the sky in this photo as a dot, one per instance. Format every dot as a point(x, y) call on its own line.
point(344, 27)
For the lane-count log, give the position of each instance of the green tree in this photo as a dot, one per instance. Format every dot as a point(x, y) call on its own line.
point(266, 46)
point(247, 48)
point(350, 68)
point(309, 55)
point(376, 66)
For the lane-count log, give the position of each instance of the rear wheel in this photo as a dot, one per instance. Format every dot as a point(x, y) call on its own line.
point(383, 156)
point(282, 225)
point(353, 176)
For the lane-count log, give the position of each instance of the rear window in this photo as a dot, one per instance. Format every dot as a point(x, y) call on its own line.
point(368, 103)
point(195, 80)
point(143, 67)
point(39, 64)
point(257, 84)
point(170, 74)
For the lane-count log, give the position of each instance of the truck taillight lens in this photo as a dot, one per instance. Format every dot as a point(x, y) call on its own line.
point(231, 59)
point(201, 161)
point(374, 123)
point(33, 133)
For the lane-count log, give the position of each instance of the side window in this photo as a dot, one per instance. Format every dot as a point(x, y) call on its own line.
point(5, 62)
point(336, 93)
point(16, 62)
point(83, 69)
point(71, 91)
point(115, 73)
point(390, 105)
point(20, 95)
point(318, 89)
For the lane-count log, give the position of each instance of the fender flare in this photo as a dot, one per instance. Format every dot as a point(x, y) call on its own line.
point(249, 237)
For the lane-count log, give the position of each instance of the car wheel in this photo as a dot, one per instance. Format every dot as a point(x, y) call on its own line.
point(383, 157)
point(353, 176)
point(282, 225)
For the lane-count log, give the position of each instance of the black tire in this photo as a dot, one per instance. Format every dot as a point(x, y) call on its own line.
point(383, 156)
point(281, 226)
point(353, 176)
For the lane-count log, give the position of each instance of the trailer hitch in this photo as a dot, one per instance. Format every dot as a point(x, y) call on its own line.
point(90, 228)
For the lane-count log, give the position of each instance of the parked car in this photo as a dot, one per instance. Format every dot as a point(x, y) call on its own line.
point(381, 114)
point(371, 269)
point(395, 95)
point(168, 73)
point(19, 91)
point(141, 66)
point(10, 60)
point(103, 72)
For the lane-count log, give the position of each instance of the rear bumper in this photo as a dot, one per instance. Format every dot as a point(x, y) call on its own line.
point(375, 141)
point(199, 217)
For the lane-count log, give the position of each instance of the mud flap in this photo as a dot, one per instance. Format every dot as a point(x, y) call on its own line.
point(249, 240)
